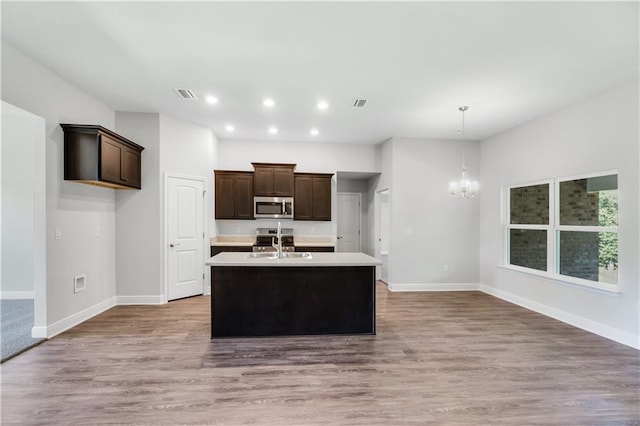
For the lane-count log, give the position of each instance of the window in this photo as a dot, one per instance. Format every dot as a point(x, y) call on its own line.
point(529, 226)
point(567, 228)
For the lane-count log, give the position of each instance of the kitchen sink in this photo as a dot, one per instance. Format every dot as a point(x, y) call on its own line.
point(264, 255)
point(274, 255)
point(298, 254)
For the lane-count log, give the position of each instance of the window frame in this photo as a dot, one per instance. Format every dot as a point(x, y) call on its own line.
point(553, 229)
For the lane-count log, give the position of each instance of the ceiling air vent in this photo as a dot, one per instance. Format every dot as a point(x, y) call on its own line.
point(186, 94)
point(359, 103)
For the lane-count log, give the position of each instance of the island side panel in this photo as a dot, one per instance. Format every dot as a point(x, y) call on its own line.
point(277, 301)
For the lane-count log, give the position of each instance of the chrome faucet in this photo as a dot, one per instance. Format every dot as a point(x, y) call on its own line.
point(278, 246)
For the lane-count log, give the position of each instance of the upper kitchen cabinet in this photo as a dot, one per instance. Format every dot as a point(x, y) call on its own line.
point(312, 199)
point(234, 195)
point(98, 156)
point(273, 180)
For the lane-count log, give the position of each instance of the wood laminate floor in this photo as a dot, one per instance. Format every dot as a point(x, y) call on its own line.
point(453, 358)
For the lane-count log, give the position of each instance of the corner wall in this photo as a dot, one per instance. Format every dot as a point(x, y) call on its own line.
point(139, 219)
point(434, 237)
point(84, 214)
point(598, 134)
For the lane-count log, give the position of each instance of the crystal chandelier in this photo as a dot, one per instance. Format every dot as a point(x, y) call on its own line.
point(463, 187)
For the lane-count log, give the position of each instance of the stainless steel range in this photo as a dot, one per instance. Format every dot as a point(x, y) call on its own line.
point(267, 239)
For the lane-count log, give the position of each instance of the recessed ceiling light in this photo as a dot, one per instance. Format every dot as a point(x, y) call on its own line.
point(273, 130)
point(211, 99)
point(229, 128)
point(322, 105)
point(314, 132)
point(268, 102)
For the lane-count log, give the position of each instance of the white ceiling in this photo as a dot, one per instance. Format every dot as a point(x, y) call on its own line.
point(415, 62)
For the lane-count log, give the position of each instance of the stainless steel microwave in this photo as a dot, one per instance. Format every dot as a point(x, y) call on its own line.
point(273, 207)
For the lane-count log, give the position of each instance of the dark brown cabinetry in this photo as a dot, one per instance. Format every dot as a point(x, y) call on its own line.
point(98, 156)
point(273, 180)
point(234, 195)
point(219, 249)
point(326, 249)
point(312, 199)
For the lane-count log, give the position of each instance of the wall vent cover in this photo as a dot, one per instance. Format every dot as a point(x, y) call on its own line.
point(186, 94)
point(359, 103)
point(79, 283)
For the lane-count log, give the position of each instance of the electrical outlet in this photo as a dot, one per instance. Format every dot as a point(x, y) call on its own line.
point(58, 234)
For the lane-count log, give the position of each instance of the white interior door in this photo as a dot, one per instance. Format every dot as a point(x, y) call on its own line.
point(185, 237)
point(349, 222)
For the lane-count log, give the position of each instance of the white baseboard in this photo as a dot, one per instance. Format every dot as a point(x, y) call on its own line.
point(140, 300)
point(39, 332)
point(75, 319)
point(433, 286)
point(600, 329)
point(13, 295)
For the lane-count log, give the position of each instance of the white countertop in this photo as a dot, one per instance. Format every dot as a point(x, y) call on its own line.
point(248, 240)
point(318, 259)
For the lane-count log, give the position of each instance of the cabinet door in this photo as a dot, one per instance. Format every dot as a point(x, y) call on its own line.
point(303, 198)
point(321, 198)
point(131, 167)
point(244, 197)
point(219, 249)
point(263, 181)
point(110, 159)
point(283, 182)
point(225, 196)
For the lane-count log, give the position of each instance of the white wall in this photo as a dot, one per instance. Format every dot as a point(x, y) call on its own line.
point(75, 209)
point(139, 217)
point(434, 237)
point(598, 134)
point(309, 157)
point(23, 209)
point(189, 149)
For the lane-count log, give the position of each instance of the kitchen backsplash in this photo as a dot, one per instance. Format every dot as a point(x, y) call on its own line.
point(248, 227)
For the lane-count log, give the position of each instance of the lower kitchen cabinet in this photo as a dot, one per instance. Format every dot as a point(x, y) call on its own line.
point(219, 249)
point(326, 249)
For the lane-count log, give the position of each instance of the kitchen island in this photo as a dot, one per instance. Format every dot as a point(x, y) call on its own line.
point(312, 293)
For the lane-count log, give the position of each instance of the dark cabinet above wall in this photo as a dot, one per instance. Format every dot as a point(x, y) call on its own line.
point(312, 199)
point(273, 180)
point(98, 156)
point(234, 194)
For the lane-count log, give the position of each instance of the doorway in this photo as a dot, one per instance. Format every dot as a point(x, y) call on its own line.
point(185, 236)
point(349, 222)
point(384, 233)
point(22, 231)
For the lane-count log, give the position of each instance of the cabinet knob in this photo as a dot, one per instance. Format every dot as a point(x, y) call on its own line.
point(174, 244)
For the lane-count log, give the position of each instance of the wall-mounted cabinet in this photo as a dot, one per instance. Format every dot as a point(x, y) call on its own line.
point(98, 156)
point(273, 180)
point(234, 194)
point(312, 199)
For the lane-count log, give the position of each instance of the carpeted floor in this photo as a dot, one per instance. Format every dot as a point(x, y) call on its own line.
point(16, 321)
